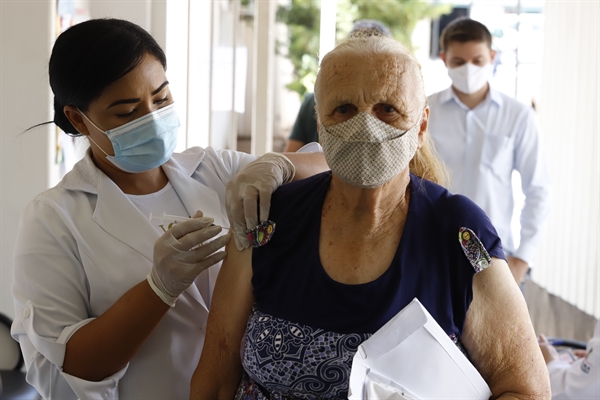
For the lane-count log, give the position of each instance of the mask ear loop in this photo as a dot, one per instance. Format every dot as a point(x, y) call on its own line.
point(90, 136)
point(101, 149)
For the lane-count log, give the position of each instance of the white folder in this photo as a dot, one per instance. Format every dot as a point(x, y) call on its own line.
point(411, 357)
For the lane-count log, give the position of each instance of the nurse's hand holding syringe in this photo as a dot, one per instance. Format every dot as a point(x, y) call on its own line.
point(170, 220)
point(183, 252)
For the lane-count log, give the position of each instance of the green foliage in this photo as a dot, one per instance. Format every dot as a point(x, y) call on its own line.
point(303, 18)
point(401, 16)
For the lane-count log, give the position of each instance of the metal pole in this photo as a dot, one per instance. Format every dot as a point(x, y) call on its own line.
point(234, 120)
point(327, 27)
point(517, 49)
point(262, 82)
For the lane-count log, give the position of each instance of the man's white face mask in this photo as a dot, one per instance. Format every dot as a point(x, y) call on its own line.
point(366, 152)
point(469, 78)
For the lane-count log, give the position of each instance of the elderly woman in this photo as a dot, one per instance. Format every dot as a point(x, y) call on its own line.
point(354, 246)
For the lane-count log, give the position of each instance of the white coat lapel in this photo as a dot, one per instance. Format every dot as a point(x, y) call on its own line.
point(197, 196)
point(135, 230)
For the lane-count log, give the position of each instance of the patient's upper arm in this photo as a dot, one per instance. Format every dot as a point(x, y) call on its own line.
point(500, 339)
point(219, 370)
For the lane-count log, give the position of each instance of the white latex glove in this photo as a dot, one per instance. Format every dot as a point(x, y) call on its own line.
point(253, 186)
point(177, 260)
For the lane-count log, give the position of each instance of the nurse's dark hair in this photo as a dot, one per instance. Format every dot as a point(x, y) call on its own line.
point(464, 30)
point(91, 55)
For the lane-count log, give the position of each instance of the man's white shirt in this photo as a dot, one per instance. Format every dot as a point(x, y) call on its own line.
point(481, 148)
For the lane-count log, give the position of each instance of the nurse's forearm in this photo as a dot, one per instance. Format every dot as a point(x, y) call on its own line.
point(307, 164)
point(105, 345)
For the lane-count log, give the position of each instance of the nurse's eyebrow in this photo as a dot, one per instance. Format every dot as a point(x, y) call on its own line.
point(136, 100)
point(165, 83)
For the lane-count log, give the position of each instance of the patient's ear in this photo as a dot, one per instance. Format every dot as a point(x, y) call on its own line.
point(318, 122)
point(424, 126)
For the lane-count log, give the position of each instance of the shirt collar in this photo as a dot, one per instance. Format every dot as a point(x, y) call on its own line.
point(85, 175)
point(495, 96)
point(449, 94)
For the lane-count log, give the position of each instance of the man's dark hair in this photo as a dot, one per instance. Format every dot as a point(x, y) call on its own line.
point(464, 30)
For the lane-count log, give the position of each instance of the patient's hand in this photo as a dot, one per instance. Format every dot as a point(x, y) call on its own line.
point(518, 268)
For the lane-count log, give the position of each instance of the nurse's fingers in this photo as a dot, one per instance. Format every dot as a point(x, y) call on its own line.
point(180, 230)
point(250, 199)
point(237, 223)
point(210, 261)
point(196, 238)
point(198, 214)
point(198, 254)
point(265, 204)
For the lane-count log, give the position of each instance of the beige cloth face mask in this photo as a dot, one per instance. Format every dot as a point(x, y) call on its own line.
point(366, 152)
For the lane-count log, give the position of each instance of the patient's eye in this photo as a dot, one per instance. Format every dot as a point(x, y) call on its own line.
point(386, 113)
point(343, 109)
point(344, 112)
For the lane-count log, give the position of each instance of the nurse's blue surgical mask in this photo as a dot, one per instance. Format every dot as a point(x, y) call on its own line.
point(144, 143)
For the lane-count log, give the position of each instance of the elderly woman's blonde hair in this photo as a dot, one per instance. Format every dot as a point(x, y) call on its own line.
point(369, 43)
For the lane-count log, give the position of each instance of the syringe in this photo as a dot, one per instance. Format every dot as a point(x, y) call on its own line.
point(170, 220)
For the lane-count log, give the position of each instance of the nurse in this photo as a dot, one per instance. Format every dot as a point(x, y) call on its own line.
point(109, 304)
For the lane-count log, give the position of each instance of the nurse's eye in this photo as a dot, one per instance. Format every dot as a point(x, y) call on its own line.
point(129, 114)
point(162, 101)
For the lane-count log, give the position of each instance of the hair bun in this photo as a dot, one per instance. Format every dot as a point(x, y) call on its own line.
point(366, 33)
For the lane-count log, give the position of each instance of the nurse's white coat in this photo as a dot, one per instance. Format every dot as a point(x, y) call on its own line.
point(81, 245)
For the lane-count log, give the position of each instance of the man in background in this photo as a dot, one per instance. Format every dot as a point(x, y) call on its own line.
point(483, 136)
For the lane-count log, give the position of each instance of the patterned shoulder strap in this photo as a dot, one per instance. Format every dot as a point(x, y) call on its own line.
point(474, 250)
point(261, 234)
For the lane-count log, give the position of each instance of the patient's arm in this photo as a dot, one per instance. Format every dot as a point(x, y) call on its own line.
point(219, 370)
point(500, 338)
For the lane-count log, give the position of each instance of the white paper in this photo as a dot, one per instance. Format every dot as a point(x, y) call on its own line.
point(412, 354)
point(378, 387)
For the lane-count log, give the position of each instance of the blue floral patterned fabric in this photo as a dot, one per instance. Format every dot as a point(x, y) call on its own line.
point(291, 360)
